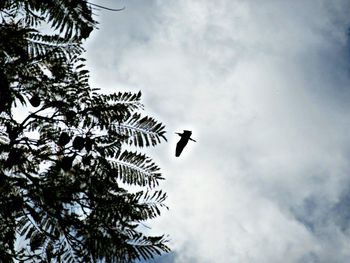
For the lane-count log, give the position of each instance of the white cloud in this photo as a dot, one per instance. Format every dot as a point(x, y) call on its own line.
point(264, 87)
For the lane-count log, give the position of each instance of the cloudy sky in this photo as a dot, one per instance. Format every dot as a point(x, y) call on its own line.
point(265, 88)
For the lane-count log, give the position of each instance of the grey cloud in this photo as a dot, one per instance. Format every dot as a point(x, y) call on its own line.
point(168, 258)
point(264, 87)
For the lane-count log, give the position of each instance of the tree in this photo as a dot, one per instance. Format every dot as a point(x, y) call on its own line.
point(64, 169)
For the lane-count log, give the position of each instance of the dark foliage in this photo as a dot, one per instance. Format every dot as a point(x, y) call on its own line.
point(65, 178)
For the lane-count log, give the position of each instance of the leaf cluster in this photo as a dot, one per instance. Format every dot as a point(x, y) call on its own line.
point(66, 178)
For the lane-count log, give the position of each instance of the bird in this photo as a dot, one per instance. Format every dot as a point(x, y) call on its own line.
point(185, 137)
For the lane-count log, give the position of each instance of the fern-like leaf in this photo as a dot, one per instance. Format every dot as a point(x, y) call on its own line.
point(136, 169)
point(142, 131)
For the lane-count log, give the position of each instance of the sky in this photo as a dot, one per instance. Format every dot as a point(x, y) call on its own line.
point(264, 86)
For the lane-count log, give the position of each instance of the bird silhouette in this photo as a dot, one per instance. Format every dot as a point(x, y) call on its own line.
point(185, 137)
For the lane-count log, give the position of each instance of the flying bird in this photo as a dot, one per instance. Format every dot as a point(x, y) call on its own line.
point(185, 137)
